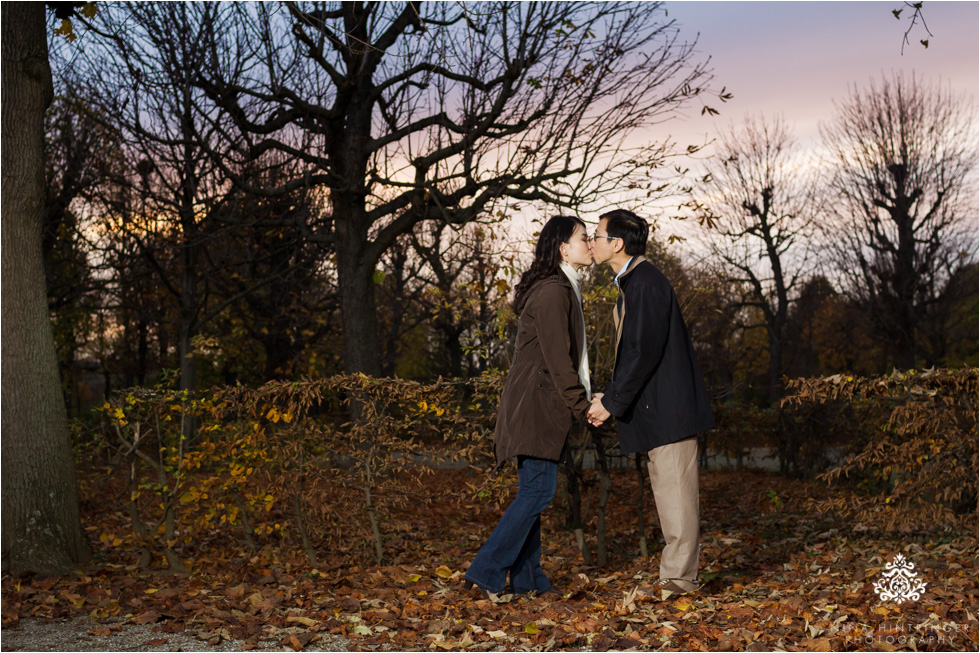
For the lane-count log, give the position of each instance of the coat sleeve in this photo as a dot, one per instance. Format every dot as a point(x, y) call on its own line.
point(646, 327)
point(553, 316)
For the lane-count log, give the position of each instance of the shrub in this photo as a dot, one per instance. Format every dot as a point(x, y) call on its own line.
point(918, 467)
point(284, 458)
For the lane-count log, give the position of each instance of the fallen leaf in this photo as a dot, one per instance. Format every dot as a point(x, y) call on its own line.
point(444, 572)
point(821, 644)
point(683, 603)
point(148, 617)
point(306, 621)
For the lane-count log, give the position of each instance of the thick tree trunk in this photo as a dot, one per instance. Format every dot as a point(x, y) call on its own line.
point(41, 525)
point(777, 320)
point(905, 324)
point(359, 315)
point(350, 155)
point(359, 322)
point(906, 277)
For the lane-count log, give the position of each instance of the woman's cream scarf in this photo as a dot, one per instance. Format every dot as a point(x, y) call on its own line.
point(583, 366)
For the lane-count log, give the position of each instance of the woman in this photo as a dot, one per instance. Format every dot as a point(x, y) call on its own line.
point(547, 385)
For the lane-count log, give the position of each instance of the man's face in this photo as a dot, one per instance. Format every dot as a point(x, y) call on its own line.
point(603, 247)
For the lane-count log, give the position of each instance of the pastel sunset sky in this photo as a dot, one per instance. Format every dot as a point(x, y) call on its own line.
point(795, 58)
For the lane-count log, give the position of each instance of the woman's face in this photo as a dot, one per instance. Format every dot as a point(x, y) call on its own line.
point(578, 250)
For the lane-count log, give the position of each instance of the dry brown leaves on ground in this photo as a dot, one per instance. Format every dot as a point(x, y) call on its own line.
point(776, 577)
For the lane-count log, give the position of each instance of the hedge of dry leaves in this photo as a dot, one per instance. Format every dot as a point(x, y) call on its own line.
point(915, 460)
point(334, 457)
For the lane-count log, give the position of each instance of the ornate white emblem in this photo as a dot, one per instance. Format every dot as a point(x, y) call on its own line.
point(900, 583)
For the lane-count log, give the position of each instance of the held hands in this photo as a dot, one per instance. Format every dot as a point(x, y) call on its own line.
point(597, 412)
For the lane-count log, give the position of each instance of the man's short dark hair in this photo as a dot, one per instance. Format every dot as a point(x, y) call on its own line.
point(633, 229)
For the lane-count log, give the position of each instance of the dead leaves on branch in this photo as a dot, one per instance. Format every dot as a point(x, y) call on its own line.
point(917, 464)
point(327, 462)
point(326, 459)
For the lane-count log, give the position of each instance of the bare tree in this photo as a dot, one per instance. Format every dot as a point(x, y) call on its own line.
point(903, 206)
point(140, 61)
point(465, 289)
point(756, 201)
point(139, 77)
point(421, 112)
point(78, 152)
point(446, 280)
point(284, 299)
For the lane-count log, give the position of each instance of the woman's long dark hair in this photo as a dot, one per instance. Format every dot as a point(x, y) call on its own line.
point(547, 254)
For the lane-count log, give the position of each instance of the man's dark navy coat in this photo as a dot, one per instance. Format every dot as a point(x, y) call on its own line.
point(657, 393)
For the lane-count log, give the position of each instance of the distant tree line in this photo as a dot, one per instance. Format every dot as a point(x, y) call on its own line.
point(271, 196)
point(862, 259)
point(265, 175)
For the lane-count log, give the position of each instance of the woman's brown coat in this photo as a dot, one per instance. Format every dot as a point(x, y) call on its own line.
point(542, 390)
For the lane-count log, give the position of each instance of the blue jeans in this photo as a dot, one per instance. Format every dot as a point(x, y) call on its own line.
point(514, 547)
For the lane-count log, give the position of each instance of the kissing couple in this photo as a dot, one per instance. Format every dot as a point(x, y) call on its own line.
point(657, 395)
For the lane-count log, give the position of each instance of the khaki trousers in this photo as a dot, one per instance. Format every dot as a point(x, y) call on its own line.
point(674, 478)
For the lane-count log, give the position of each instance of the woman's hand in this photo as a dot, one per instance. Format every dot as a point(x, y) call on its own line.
point(597, 412)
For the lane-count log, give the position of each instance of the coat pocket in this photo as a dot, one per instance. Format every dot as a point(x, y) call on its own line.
point(550, 399)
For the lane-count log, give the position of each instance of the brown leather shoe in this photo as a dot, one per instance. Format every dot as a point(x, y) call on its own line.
point(664, 590)
point(551, 594)
point(670, 589)
point(475, 590)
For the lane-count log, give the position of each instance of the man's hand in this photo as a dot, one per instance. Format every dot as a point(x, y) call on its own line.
point(597, 412)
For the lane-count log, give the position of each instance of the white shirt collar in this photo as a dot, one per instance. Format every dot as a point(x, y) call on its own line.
point(623, 269)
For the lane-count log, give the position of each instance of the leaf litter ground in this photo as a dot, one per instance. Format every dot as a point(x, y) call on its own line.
point(777, 577)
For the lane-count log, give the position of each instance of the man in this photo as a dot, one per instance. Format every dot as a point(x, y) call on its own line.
point(657, 393)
